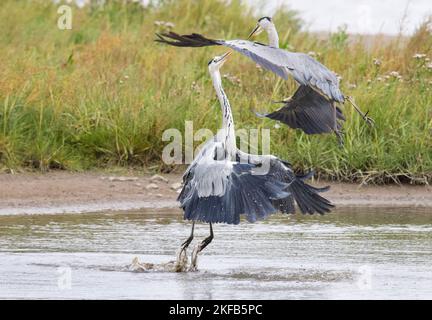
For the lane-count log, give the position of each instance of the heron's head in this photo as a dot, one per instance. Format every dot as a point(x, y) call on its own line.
point(217, 62)
point(264, 23)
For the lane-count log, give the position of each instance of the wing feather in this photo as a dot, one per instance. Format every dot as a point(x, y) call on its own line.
point(305, 69)
point(306, 196)
point(309, 111)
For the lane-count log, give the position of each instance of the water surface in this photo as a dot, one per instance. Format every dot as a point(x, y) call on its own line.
point(351, 254)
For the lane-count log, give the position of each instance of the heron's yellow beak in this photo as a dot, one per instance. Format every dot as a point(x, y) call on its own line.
point(223, 59)
point(255, 31)
point(225, 56)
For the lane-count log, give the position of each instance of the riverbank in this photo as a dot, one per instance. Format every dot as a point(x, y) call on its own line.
point(63, 192)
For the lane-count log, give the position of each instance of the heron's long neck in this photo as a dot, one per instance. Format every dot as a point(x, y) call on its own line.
point(227, 117)
point(273, 36)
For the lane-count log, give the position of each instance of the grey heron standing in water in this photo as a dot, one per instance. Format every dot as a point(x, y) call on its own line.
point(223, 183)
point(312, 108)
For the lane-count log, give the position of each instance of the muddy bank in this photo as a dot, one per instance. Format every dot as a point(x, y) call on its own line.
point(61, 192)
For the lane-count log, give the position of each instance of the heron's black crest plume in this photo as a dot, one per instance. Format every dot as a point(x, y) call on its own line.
point(187, 40)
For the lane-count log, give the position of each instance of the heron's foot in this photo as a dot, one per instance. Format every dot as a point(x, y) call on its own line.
point(181, 262)
point(368, 120)
point(365, 117)
point(198, 248)
point(194, 258)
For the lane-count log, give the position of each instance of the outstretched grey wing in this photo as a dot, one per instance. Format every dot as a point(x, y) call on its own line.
point(305, 69)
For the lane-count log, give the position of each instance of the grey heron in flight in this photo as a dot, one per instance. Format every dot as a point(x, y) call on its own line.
point(312, 108)
point(223, 183)
point(307, 109)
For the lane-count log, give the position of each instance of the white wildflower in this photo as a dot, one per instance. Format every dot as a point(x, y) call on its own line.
point(232, 79)
point(377, 62)
point(394, 74)
point(419, 56)
point(195, 87)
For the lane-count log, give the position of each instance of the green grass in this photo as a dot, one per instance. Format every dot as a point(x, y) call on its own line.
point(101, 95)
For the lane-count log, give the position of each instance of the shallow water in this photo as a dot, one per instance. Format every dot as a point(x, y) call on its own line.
point(351, 254)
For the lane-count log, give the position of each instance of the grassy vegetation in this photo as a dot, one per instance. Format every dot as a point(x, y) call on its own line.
point(102, 94)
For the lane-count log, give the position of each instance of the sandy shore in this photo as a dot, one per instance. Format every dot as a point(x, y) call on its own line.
point(62, 192)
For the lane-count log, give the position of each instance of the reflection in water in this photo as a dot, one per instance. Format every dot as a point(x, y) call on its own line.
point(351, 254)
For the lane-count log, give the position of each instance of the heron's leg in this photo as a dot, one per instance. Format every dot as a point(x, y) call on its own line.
point(181, 256)
point(365, 117)
point(187, 242)
point(200, 247)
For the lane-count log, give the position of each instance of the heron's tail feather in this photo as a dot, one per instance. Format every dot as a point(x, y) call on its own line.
point(186, 40)
point(308, 198)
